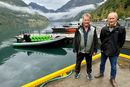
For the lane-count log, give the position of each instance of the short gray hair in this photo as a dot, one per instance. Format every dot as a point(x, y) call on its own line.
point(114, 13)
point(87, 14)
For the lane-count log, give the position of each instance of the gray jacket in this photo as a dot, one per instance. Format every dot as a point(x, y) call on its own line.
point(92, 40)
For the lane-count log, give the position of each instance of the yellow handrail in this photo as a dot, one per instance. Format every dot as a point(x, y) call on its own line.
point(124, 56)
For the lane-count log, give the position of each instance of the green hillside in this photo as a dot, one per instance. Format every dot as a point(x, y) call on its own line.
point(17, 18)
point(15, 2)
point(122, 7)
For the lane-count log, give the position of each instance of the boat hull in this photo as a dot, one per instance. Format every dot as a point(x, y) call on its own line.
point(58, 29)
point(38, 43)
point(71, 30)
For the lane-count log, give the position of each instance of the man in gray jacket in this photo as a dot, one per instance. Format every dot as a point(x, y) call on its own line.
point(85, 45)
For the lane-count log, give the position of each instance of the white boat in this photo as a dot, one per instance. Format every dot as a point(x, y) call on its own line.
point(37, 40)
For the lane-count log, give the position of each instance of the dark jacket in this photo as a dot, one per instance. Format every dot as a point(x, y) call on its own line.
point(111, 42)
point(77, 38)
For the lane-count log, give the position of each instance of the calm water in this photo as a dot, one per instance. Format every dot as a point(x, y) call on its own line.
point(19, 66)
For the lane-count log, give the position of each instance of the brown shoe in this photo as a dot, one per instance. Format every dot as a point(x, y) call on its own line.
point(99, 75)
point(113, 82)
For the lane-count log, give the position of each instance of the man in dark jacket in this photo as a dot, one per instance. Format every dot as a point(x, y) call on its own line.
point(112, 38)
point(85, 45)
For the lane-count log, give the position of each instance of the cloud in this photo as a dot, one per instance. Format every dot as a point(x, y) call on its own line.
point(101, 2)
point(15, 8)
point(20, 9)
point(50, 4)
point(70, 13)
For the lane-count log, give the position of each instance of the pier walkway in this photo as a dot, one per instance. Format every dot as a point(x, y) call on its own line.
point(123, 77)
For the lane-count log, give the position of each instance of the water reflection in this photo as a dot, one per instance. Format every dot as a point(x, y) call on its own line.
point(125, 51)
point(124, 63)
point(27, 64)
point(6, 54)
point(52, 51)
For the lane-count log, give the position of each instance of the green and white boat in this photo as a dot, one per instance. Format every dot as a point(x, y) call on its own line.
point(35, 40)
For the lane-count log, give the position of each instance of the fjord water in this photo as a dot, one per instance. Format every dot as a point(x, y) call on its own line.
point(19, 66)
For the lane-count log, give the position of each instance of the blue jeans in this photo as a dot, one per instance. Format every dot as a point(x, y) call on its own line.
point(113, 62)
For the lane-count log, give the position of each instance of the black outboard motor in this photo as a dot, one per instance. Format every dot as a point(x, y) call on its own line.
point(19, 39)
point(27, 38)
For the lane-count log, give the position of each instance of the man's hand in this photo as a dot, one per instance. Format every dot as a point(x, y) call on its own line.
point(94, 53)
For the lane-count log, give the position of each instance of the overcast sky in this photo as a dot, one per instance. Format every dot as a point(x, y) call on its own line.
point(50, 4)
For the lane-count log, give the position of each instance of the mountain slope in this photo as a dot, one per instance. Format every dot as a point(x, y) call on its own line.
point(39, 7)
point(17, 18)
point(76, 3)
point(122, 7)
point(15, 2)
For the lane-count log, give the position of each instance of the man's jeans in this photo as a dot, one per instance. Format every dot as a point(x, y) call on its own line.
point(113, 62)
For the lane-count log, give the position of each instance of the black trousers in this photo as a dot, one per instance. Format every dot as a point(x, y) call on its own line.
point(88, 58)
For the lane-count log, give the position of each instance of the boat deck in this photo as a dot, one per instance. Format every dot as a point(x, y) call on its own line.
point(123, 77)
